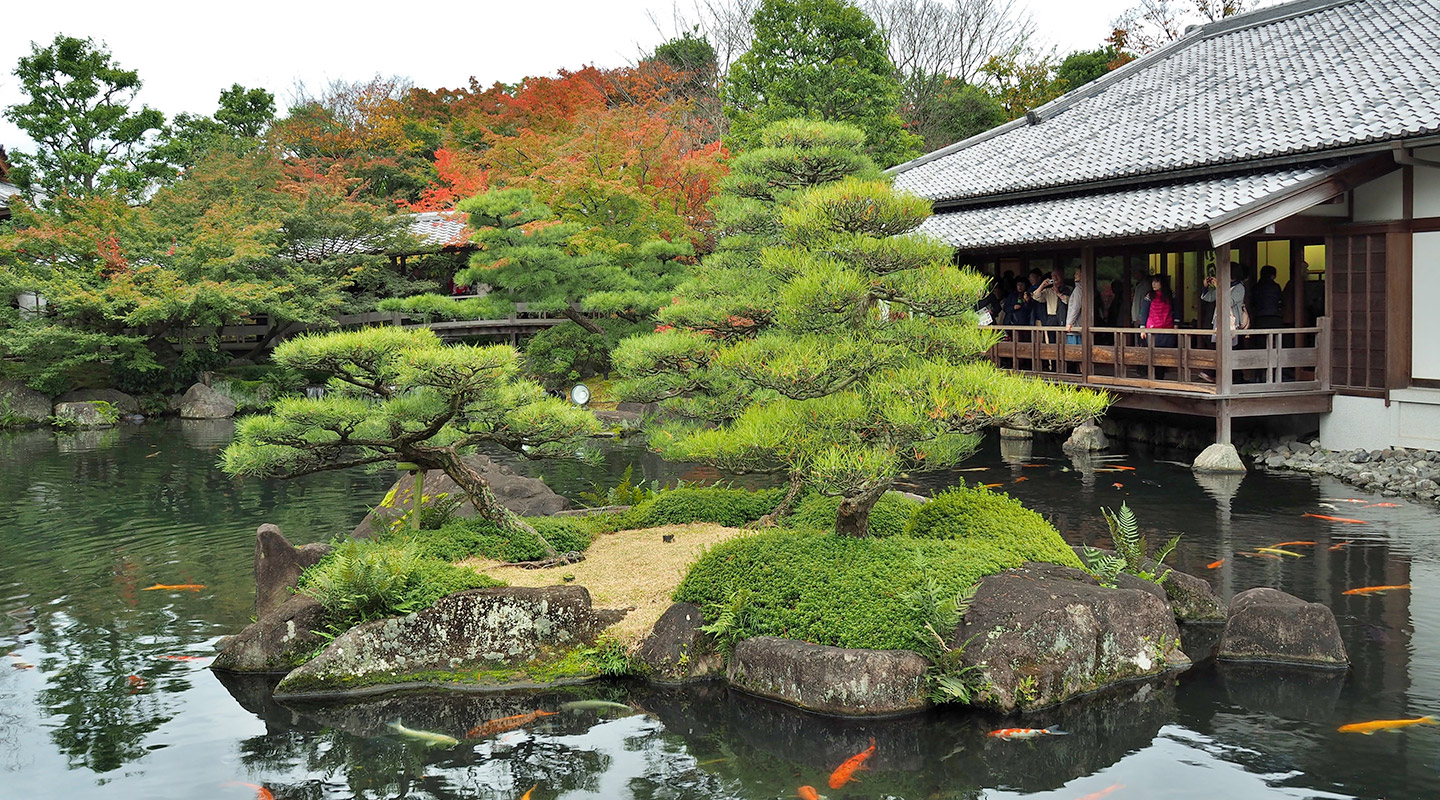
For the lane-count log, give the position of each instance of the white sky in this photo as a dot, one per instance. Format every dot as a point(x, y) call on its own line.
point(186, 53)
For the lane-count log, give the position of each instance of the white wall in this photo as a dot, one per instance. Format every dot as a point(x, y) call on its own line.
point(1425, 322)
point(1380, 200)
point(1412, 419)
point(1427, 185)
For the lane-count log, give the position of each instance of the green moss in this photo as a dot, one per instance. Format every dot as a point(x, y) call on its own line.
point(573, 664)
point(461, 538)
point(978, 515)
point(845, 592)
point(729, 507)
point(889, 517)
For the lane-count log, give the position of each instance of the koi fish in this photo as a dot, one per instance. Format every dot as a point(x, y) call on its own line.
point(1342, 500)
point(428, 737)
point(1118, 485)
point(1382, 505)
point(261, 793)
point(174, 587)
point(135, 682)
point(1277, 551)
point(1103, 792)
point(845, 773)
point(1369, 728)
point(1260, 555)
point(1329, 506)
point(993, 485)
point(1338, 546)
point(971, 469)
point(1337, 519)
point(594, 705)
point(1021, 478)
point(807, 793)
point(529, 791)
point(1025, 733)
point(504, 724)
point(1376, 589)
point(1288, 544)
point(1123, 469)
point(184, 658)
point(18, 664)
point(1215, 564)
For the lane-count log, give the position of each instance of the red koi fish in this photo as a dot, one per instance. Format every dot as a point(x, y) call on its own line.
point(1009, 734)
point(1338, 546)
point(529, 792)
point(136, 683)
point(1337, 519)
point(503, 724)
point(1103, 792)
point(1034, 465)
point(1376, 589)
point(184, 658)
point(174, 587)
point(261, 793)
point(1382, 505)
point(1118, 485)
point(1122, 469)
point(1021, 478)
point(1215, 564)
point(807, 793)
point(1288, 544)
point(1341, 500)
point(845, 773)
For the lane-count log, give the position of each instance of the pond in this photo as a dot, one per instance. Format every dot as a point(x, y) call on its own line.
point(104, 690)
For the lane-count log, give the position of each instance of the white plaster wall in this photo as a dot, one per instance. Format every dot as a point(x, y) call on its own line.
point(1380, 200)
point(1425, 322)
point(1355, 422)
point(1427, 186)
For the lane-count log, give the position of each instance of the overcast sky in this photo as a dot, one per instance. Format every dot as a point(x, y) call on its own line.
point(186, 53)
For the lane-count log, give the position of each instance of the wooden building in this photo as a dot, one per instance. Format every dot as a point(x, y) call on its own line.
point(1305, 137)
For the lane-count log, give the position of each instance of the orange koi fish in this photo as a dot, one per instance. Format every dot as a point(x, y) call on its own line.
point(1338, 546)
point(503, 724)
point(1118, 485)
point(1103, 792)
point(1341, 500)
point(807, 793)
point(1025, 733)
point(1021, 478)
point(174, 587)
point(1290, 544)
point(1376, 589)
point(993, 485)
point(1123, 469)
point(845, 773)
point(1369, 728)
point(1034, 465)
point(261, 793)
point(1215, 564)
point(1382, 505)
point(135, 682)
point(1337, 519)
point(529, 791)
point(184, 658)
point(18, 664)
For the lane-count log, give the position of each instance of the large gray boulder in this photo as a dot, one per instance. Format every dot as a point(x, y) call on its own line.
point(526, 496)
point(1087, 438)
point(86, 415)
point(122, 402)
point(21, 405)
point(278, 641)
point(1042, 634)
point(830, 680)
point(1219, 458)
point(1191, 598)
point(278, 565)
point(1270, 625)
point(677, 651)
point(202, 402)
point(462, 635)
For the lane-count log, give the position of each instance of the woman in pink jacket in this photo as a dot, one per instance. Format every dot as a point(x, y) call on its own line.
point(1162, 310)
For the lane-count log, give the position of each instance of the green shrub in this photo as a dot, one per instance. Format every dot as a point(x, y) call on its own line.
point(365, 580)
point(971, 515)
point(464, 538)
point(889, 517)
point(842, 591)
point(729, 507)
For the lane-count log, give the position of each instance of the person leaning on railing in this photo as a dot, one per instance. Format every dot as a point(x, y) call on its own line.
point(1160, 315)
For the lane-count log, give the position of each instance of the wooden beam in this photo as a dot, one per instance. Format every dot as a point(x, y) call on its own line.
point(1222, 319)
point(1399, 308)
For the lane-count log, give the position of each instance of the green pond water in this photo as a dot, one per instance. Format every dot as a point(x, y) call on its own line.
point(88, 521)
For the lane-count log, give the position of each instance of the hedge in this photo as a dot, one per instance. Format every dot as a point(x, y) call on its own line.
point(729, 507)
point(980, 515)
point(889, 517)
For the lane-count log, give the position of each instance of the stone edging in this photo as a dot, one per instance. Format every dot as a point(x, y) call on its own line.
point(449, 686)
point(1392, 472)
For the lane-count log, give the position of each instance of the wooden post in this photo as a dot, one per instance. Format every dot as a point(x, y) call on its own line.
point(1298, 276)
point(1222, 323)
point(1089, 302)
point(1222, 422)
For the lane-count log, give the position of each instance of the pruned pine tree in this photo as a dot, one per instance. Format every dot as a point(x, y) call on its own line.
point(397, 396)
point(859, 356)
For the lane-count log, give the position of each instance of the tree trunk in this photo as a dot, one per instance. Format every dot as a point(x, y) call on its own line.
point(792, 494)
point(853, 518)
point(583, 321)
point(488, 506)
point(274, 331)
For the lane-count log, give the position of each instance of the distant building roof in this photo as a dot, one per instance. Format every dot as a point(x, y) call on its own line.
point(429, 232)
point(1286, 85)
point(7, 191)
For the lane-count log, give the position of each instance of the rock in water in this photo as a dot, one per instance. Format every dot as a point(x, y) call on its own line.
point(123, 403)
point(1191, 598)
point(677, 651)
point(465, 633)
point(1042, 634)
point(1087, 438)
point(528, 497)
point(278, 565)
point(1219, 458)
point(23, 405)
point(830, 680)
point(275, 643)
point(202, 402)
point(84, 415)
point(1270, 625)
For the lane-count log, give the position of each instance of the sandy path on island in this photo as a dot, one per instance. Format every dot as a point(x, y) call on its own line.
point(628, 569)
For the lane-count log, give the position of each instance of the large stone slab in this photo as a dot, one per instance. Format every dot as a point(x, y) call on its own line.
point(21, 405)
point(476, 630)
point(278, 641)
point(202, 402)
point(85, 415)
point(830, 680)
point(1043, 634)
point(677, 651)
point(1270, 625)
point(526, 496)
point(1219, 458)
point(278, 565)
point(122, 402)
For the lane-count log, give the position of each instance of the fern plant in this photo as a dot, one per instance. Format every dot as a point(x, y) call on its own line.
point(626, 493)
point(950, 680)
point(733, 623)
point(1101, 565)
point(1132, 549)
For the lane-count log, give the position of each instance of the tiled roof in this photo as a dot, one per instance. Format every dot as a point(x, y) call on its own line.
point(437, 230)
point(7, 191)
point(1284, 81)
point(1141, 211)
